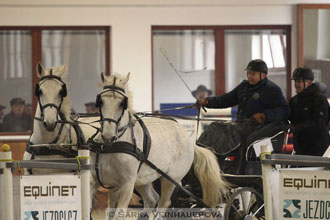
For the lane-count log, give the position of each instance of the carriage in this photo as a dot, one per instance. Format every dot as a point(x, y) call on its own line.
point(130, 141)
point(241, 167)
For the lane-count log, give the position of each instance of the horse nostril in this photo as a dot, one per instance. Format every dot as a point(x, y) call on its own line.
point(50, 127)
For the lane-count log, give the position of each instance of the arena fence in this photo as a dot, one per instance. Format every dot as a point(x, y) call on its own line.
point(300, 189)
point(45, 190)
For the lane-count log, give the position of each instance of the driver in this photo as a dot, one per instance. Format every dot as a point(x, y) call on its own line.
point(260, 102)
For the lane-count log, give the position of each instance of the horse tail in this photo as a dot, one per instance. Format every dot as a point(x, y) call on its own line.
point(208, 173)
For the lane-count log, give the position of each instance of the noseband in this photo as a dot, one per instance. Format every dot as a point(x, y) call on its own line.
point(38, 93)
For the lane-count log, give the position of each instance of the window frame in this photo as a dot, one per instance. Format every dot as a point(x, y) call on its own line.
point(36, 32)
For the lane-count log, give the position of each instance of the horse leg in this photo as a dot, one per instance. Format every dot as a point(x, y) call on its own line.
point(94, 186)
point(150, 198)
point(113, 196)
point(125, 194)
point(167, 189)
point(149, 195)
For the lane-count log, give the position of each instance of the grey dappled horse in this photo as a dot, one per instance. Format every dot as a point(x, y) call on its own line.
point(52, 122)
point(171, 150)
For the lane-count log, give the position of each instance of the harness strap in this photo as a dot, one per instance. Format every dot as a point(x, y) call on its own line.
point(146, 137)
point(98, 173)
point(65, 152)
point(58, 134)
point(80, 135)
point(122, 147)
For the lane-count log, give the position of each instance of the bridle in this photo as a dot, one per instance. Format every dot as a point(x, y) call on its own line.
point(38, 93)
point(115, 89)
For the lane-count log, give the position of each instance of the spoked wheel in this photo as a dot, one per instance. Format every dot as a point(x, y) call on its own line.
point(245, 204)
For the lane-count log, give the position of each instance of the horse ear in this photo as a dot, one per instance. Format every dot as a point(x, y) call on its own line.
point(63, 69)
point(40, 70)
point(126, 78)
point(102, 77)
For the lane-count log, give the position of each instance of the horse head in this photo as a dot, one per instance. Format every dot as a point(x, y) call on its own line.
point(51, 91)
point(112, 103)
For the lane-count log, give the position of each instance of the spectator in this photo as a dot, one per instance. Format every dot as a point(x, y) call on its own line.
point(1, 115)
point(28, 110)
point(202, 92)
point(16, 120)
point(91, 108)
point(309, 115)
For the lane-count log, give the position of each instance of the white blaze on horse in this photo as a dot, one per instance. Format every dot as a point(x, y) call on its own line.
point(171, 150)
point(52, 122)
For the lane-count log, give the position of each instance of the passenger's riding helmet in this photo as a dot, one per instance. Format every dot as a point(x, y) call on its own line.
point(304, 73)
point(257, 65)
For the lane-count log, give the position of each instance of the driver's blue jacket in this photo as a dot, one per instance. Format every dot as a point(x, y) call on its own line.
point(265, 97)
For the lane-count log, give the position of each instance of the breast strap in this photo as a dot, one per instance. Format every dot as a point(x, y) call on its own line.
point(122, 147)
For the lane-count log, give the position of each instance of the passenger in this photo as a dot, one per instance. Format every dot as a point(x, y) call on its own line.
point(309, 115)
point(259, 100)
point(17, 120)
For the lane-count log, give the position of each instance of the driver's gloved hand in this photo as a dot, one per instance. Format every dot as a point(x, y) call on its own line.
point(201, 102)
point(259, 117)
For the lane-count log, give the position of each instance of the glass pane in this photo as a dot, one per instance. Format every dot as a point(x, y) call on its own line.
point(192, 53)
point(277, 50)
point(241, 46)
point(16, 81)
point(317, 44)
point(266, 51)
point(84, 53)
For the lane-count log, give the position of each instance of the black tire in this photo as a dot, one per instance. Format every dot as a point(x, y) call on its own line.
point(236, 209)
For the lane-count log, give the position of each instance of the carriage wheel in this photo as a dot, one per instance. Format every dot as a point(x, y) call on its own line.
point(245, 204)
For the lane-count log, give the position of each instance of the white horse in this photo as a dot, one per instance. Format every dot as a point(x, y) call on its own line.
point(171, 151)
point(52, 122)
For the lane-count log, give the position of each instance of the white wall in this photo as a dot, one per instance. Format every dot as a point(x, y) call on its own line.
point(131, 23)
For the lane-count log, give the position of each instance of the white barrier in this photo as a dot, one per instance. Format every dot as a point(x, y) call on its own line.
point(6, 182)
point(295, 193)
point(266, 183)
point(215, 111)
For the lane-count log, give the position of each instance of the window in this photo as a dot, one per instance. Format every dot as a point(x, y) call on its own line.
point(85, 50)
point(270, 48)
point(186, 54)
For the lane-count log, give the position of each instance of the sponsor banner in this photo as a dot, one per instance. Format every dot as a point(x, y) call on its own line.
point(55, 197)
point(171, 213)
point(304, 194)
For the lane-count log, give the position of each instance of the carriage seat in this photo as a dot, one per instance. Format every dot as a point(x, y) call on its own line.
point(245, 160)
point(274, 130)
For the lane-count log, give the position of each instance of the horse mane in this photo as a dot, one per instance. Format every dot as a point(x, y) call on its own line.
point(66, 106)
point(108, 80)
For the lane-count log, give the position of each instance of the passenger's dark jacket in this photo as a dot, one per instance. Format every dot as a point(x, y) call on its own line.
point(265, 97)
point(12, 123)
point(309, 116)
